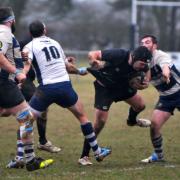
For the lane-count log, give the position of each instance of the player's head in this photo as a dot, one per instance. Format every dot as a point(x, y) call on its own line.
point(149, 41)
point(141, 58)
point(37, 29)
point(7, 17)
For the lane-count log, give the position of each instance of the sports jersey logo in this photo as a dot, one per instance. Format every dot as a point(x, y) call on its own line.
point(159, 105)
point(105, 107)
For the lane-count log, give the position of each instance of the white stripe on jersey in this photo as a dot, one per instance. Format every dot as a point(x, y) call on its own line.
point(50, 60)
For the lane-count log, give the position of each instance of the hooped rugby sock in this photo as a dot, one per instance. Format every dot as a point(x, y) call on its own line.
point(89, 134)
point(20, 147)
point(157, 144)
point(29, 152)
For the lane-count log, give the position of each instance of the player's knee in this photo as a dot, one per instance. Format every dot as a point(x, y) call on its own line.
point(24, 116)
point(4, 113)
point(43, 115)
point(25, 119)
point(140, 108)
point(39, 114)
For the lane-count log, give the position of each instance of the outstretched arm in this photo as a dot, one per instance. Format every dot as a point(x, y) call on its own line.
point(72, 69)
point(166, 73)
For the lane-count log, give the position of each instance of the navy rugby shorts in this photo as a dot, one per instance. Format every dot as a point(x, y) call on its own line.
point(10, 94)
point(169, 103)
point(104, 97)
point(60, 93)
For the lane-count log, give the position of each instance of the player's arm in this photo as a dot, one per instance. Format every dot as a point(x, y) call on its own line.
point(27, 66)
point(165, 63)
point(95, 59)
point(72, 69)
point(27, 58)
point(6, 65)
point(166, 73)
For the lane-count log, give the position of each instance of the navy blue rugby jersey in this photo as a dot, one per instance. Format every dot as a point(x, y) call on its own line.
point(117, 71)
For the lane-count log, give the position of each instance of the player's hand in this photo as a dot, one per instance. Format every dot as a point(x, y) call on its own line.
point(25, 55)
point(71, 59)
point(21, 77)
point(96, 64)
point(136, 83)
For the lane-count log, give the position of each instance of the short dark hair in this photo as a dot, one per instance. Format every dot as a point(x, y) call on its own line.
point(36, 28)
point(154, 38)
point(142, 53)
point(5, 12)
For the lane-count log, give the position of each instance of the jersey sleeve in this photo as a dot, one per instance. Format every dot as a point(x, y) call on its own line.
point(5, 41)
point(114, 57)
point(3, 46)
point(163, 59)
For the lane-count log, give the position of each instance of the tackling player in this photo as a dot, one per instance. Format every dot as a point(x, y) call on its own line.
point(166, 79)
point(51, 66)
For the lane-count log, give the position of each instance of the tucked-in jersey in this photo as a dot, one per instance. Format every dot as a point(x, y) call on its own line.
point(48, 59)
point(9, 46)
point(159, 59)
point(117, 71)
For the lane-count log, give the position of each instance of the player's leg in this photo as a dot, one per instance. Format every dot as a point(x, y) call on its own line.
point(137, 105)
point(163, 110)
point(158, 119)
point(18, 161)
point(44, 144)
point(67, 98)
point(28, 89)
point(25, 119)
point(100, 120)
point(102, 104)
point(13, 101)
point(87, 130)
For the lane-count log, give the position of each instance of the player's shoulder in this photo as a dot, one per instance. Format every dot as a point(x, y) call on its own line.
point(5, 34)
point(53, 41)
point(159, 53)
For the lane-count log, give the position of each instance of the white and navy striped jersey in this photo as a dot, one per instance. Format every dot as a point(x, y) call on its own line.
point(48, 59)
point(159, 59)
point(9, 46)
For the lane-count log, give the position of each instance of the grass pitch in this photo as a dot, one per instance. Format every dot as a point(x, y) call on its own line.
point(129, 144)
